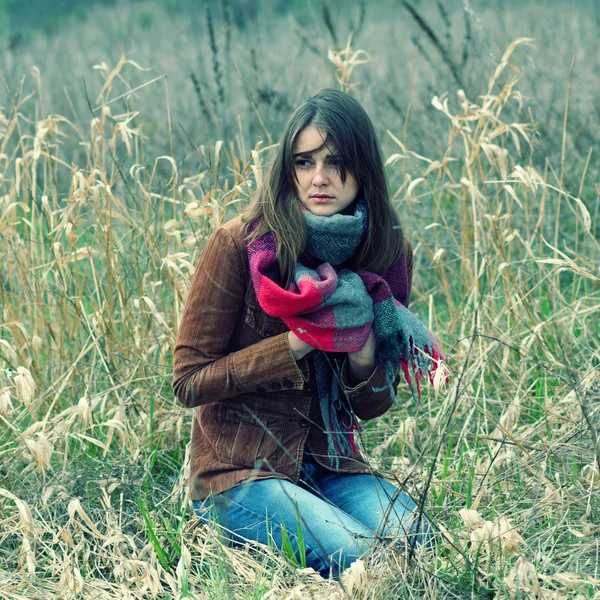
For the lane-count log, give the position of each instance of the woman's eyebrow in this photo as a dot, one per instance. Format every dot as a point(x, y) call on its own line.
point(308, 153)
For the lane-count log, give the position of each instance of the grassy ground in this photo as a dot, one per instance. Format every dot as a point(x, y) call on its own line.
point(101, 224)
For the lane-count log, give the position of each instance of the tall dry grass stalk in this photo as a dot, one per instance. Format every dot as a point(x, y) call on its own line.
point(97, 256)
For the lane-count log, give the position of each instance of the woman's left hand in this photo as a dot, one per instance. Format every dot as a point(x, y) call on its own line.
point(363, 361)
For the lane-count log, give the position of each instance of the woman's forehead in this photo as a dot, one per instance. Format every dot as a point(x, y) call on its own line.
point(313, 141)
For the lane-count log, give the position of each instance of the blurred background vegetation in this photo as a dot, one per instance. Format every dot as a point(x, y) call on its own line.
point(235, 68)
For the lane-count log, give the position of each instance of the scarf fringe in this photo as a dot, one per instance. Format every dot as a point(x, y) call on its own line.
point(418, 365)
point(339, 420)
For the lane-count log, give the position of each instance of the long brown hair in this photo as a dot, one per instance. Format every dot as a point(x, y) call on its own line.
point(348, 126)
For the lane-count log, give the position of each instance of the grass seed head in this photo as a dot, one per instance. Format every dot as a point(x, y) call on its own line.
point(41, 450)
point(523, 578)
point(84, 411)
point(8, 349)
point(440, 377)
point(5, 403)
point(471, 518)
point(27, 560)
point(491, 536)
point(25, 389)
point(354, 579)
point(36, 343)
point(71, 580)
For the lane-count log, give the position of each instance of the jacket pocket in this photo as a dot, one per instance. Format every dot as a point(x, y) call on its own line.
point(259, 325)
point(250, 441)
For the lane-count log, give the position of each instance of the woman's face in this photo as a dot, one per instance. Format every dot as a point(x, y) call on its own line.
point(318, 181)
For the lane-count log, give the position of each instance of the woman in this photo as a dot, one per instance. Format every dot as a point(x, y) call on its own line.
point(295, 327)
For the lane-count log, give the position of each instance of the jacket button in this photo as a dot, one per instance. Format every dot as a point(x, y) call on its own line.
point(268, 332)
point(288, 384)
point(275, 386)
point(260, 389)
point(303, 424)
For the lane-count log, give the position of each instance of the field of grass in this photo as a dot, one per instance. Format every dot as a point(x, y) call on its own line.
point(107, 196)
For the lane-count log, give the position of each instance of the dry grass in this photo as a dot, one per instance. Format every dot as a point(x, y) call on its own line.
point(97, 256)
point(262, 61)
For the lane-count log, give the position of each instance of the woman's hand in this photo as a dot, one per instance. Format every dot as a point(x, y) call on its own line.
point(363, 361)
point(298, 347)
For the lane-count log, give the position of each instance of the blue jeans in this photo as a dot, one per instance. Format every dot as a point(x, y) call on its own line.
point(341, 514)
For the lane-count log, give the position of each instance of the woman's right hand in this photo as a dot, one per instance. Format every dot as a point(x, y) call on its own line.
point(298, 347)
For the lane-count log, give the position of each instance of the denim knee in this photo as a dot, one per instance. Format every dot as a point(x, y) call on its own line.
point(327, 552)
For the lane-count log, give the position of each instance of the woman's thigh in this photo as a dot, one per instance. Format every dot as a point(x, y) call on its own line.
point(378, 504)
point(257, 511)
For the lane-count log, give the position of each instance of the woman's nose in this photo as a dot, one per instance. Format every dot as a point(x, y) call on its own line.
point(320, 178)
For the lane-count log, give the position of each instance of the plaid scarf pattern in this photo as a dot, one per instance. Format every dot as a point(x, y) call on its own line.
point(333, 309)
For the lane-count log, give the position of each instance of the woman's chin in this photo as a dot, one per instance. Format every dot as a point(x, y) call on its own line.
point(322, 210)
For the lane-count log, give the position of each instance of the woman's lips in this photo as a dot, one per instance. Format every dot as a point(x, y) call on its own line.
point(321, 199)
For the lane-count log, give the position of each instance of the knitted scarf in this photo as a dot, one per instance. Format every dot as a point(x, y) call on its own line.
point(334, 309)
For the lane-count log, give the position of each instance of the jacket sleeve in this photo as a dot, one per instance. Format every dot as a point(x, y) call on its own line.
point(203, 369)
point(370, 397)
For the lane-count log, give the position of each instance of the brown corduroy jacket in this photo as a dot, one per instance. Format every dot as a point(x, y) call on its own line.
point(257, 408)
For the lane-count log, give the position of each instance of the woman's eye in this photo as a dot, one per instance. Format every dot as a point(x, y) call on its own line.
point(303, 163)
point(336, 163)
